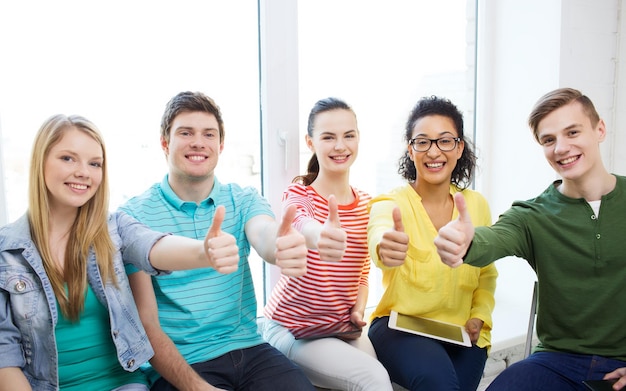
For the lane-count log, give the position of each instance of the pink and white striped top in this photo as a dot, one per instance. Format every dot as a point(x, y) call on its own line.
point(328, 290)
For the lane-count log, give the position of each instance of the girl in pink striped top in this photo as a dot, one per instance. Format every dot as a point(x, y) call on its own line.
point(333, 217)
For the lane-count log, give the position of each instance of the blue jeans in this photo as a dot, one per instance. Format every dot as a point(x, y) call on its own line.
point(132, 387)
point(554, 371)
point(259, 368)
point(421, 363)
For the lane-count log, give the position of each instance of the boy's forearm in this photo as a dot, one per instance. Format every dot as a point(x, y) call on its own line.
point(171, 365)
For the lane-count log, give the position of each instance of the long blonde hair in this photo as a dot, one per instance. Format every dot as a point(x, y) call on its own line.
point(89, 230)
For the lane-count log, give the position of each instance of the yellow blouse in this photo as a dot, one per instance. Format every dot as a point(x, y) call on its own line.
point(423, 285)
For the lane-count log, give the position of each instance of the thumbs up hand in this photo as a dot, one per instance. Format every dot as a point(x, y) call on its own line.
point(291, 250)
point(455, 237)
point(394, 245)
point(221, 247)
point(333, 240)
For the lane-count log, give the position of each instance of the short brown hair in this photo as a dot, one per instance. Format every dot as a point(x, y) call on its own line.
point(189, 102)
point(556, 99)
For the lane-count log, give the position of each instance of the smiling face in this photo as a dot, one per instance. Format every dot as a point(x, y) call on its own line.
point(435, 167)
point(194, 147)
point(571, 142)
point(73, 170)
point(335, 140)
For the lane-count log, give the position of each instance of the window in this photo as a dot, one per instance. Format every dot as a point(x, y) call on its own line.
point(118, 63)
point(381, 60)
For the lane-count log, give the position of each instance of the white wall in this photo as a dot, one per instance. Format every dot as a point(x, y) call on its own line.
point(517, 63)
point(3, 211)
point(619, 113)
point(589, 50)
point(526, 49)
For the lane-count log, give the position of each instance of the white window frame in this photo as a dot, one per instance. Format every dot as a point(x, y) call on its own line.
point(278, 48)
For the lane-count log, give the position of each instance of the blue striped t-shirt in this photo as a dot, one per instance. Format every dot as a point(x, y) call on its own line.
point(205, 313)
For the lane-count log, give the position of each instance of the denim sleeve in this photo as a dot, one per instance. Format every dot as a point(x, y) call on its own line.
point(10, 345)
point(136, 241)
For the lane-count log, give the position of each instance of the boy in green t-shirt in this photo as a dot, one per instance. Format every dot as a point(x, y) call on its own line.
point(572, 235)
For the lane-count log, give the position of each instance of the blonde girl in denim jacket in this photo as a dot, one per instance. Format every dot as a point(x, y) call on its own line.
point(67, 316)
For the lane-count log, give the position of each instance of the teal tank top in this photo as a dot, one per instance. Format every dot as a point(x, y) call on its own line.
point(87, 355)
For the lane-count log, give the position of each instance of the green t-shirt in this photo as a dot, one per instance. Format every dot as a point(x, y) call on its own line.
point(580, 261)
point(87, 355)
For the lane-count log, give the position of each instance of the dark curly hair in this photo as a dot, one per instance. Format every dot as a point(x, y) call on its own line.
point(433, 105)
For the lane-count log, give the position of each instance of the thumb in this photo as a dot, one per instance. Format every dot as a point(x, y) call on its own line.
point(288, 216)
point(333, 212)
point(218, 218)
point(397, 220)
point(461, 206)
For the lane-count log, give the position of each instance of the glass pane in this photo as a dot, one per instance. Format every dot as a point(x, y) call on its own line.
point(381, 60)
point(118, 63)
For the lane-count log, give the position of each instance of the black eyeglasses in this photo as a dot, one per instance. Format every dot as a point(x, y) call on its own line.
point(445, 144)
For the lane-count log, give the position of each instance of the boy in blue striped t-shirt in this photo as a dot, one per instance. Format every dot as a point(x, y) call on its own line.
point(202, 323)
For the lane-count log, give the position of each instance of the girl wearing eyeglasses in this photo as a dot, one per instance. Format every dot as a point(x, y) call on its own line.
point(438, 162)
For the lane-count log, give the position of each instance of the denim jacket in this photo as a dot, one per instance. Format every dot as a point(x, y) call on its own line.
point(28, 311)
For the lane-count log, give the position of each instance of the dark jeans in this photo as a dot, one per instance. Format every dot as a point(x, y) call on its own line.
point(554, 371)
point(421, 363)
point(259, 368)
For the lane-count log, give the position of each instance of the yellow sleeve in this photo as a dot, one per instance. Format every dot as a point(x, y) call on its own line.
point(483, 300)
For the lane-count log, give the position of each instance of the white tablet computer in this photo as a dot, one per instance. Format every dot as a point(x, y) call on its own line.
point(431, 328)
